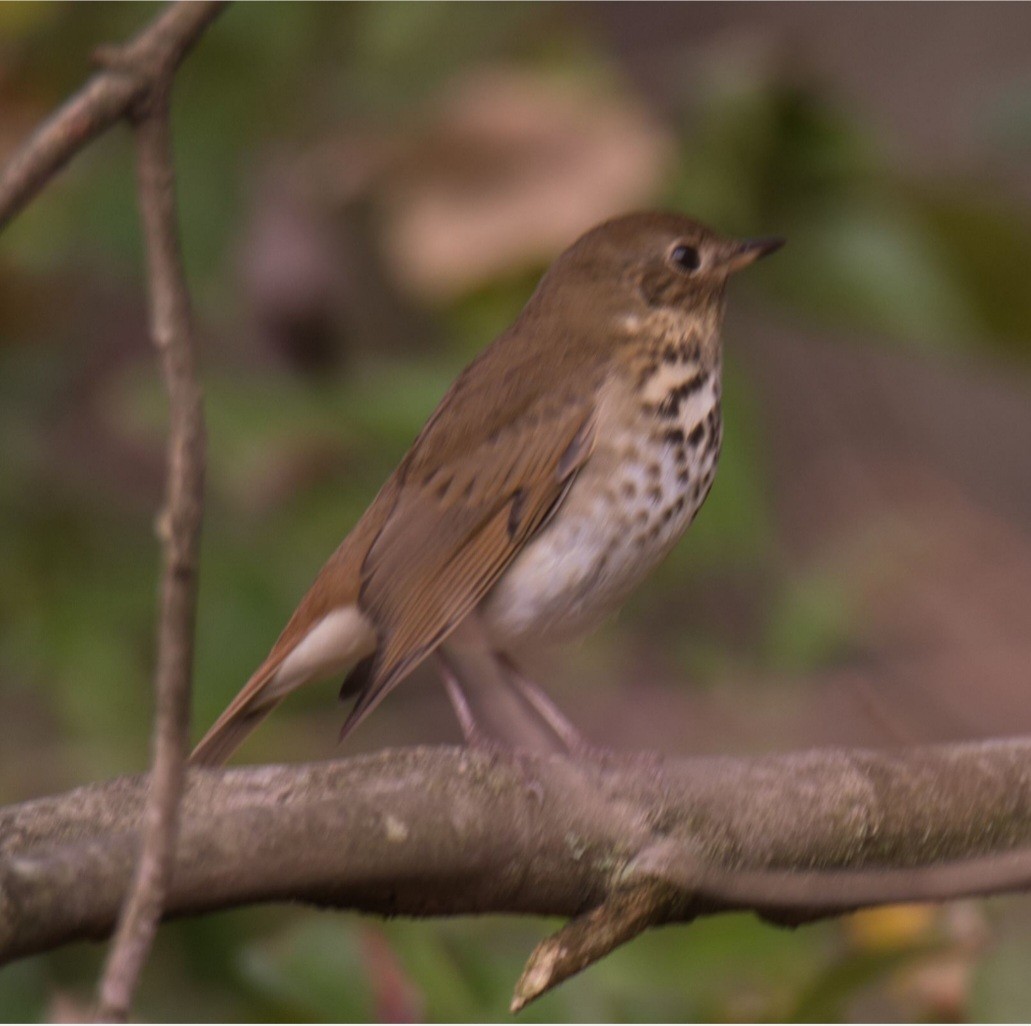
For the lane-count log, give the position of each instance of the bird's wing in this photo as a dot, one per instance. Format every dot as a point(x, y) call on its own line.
point(477, 485)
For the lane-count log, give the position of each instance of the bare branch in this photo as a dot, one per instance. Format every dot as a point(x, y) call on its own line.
point(590, 937)
point(131, 73)
point(136, 84)
point(444, 831)
point(179, 528)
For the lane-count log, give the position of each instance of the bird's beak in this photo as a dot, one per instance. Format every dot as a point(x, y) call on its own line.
point(747, 251)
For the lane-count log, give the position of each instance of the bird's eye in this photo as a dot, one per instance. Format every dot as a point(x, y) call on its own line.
point(686, 258)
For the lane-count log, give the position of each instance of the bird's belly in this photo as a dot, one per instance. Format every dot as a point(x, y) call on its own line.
point(624, 512)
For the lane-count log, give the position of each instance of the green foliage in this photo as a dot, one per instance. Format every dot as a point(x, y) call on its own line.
point(810, 624)
point(325, 968)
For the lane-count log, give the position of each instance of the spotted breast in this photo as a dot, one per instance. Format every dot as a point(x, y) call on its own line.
point(658, 440)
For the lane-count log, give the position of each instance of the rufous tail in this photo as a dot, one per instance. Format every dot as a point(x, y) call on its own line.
point(244, 713)
point(329, 645)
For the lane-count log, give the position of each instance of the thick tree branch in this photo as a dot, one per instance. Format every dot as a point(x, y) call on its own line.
point(443, 831)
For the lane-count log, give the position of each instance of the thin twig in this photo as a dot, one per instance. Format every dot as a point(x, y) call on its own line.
point(674, 876)
point(136, 84)
point(179, 528)
point(587, 939)
point(153, 55)
point(794, 895)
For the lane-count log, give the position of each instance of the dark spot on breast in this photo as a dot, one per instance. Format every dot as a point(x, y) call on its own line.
point(646, 372)
point(674, 436)
point(655, 495)
point(444, 486)
point(670, 406)
point(629, 490)
point(696, 435)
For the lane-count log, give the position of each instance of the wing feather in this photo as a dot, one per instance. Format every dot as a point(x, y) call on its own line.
point(453, 531)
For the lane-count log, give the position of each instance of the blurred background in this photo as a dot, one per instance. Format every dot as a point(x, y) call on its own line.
point(368, 194)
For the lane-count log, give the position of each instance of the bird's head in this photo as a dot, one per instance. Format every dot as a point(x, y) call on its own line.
point(645, 264)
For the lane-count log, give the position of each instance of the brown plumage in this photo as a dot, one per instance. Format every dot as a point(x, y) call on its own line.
point(620, 337)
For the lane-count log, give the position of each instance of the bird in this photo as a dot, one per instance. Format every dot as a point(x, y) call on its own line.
point(555, 474)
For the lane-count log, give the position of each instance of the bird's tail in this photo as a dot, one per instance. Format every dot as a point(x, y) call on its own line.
point(244, 713)
point(332, 645)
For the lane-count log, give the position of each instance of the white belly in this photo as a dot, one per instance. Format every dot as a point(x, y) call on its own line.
point(623, 514)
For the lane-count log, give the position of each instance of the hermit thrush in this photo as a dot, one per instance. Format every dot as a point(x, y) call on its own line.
point(558, 470)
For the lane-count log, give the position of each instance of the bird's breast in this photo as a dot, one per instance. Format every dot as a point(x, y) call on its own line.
point(657, 444)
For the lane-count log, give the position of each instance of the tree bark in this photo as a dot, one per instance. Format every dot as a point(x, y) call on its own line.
point(445, 831)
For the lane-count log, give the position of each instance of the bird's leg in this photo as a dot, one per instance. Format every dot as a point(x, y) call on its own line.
point(549, 712)
point(488, 705)
point(474, 737)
